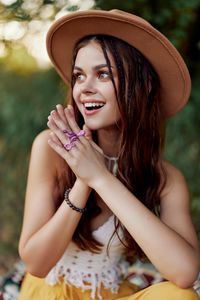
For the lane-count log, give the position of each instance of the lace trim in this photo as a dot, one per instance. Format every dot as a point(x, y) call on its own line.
point(91, 271)
point(110, 279)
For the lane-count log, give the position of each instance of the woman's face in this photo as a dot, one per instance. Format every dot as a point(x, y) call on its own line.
point(93, 90)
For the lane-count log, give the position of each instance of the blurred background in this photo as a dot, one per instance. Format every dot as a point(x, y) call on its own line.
point(30, 88)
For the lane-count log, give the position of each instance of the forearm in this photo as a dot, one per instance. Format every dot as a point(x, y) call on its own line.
point(45, 247)
point(169, 252)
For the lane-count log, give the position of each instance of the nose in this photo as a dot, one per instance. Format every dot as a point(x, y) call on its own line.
point(88, 86)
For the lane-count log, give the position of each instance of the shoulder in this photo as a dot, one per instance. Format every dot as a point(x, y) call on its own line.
point(173, 176)
point(41, 140)
point(41, 152)
point(42, 149)
point(44, 159)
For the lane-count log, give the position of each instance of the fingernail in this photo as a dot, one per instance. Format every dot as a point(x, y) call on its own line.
point(66, 109)
point(71, 109)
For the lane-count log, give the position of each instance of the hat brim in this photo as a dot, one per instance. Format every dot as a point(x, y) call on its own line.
point(166, 60)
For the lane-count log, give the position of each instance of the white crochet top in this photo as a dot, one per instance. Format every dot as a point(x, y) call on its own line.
point(87, 270)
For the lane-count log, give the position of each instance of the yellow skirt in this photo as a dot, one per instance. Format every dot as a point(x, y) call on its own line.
point(34, 288)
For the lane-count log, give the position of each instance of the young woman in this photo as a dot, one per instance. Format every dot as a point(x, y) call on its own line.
point(99, 192)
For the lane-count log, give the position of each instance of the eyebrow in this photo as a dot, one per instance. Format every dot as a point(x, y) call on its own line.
point(96, 68)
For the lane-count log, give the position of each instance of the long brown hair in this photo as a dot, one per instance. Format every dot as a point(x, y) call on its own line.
point(142, 134)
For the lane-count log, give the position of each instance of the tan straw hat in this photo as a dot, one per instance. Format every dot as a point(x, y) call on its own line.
point(166, 60)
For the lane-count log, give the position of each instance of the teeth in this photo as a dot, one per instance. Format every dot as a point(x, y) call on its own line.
point(93, 104)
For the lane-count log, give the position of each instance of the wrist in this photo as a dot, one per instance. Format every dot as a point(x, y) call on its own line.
point(101, 181)
point(71, 205)
point(79, 193)
point(82, 186)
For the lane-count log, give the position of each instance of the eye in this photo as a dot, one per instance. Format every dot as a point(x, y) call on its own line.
point(103, 74)
point(79, 77)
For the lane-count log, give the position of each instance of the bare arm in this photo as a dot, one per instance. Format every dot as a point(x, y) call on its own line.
point(170, 242)
point(46, 231)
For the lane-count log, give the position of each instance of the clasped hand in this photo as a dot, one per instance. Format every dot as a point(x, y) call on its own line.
point(85, 158)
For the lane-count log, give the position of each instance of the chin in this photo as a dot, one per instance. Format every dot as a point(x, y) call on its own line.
point(101, 125)
point(93, 125)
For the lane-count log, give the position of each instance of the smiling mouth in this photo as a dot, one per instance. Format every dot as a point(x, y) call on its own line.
point(93, 106)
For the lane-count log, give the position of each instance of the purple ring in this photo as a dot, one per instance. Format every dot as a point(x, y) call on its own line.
point(69, 133)
point(81, 133)
point(69, 146)
point(66, 131)
point(73, 138)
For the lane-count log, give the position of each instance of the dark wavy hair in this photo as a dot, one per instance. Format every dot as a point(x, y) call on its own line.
point(142, 135)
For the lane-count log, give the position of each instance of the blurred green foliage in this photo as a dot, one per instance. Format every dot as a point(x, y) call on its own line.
point(26, 100)
point(28, 94)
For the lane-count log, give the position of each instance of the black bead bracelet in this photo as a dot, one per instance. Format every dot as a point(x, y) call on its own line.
point(71, 205)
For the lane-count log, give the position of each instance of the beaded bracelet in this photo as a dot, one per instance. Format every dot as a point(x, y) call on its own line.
point(71, 205)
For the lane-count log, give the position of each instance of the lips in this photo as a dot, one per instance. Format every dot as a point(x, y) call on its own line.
point(92, 106)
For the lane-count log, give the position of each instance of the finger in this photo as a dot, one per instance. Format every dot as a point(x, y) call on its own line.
point(60, 150)
point(54, 128)
point(55, 139)
point(68, 145)
point(65, 129)
point(57, 119)
point(51, 122)
point(88, 132)
point(74, 147)
point(69, 113)
point(60, 111)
